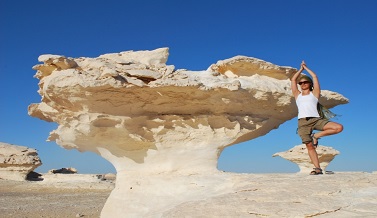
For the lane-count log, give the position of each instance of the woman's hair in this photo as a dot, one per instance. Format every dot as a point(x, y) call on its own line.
point(306, 78)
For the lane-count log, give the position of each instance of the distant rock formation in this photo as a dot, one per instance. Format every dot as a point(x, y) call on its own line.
point(34, 176)
point(108, 176)
point(147, 118)
point(16, 162)
point(69, 170)
point(299, 155)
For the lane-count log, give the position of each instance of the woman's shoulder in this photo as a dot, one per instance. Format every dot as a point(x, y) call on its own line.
point(299, 94)
point(315, 95)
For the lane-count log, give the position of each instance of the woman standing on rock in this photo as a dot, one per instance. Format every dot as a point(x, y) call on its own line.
point(308, 116)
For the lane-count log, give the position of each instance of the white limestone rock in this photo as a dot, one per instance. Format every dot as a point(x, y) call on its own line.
point(299, 155)
point(248, 66)
point(148, 119)
point(75, 181)
point(155, 58)
point(51, 63)
point(17, 161)
point(344, 194)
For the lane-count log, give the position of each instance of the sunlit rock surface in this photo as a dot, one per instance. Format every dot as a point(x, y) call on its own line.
point(158, 125)
point(17, 161)
point(299, 155)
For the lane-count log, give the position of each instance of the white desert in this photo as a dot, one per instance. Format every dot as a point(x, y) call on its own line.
point(163, 130)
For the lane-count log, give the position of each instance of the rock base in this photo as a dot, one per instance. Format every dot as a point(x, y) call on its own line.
point(299, 155)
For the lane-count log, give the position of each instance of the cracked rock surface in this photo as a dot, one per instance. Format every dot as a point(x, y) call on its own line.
point(346, 194)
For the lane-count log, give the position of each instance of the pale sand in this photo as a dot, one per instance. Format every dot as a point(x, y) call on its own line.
point(345, 194)
point(22, 199)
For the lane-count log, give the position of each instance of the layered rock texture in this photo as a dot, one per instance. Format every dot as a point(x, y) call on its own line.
point(158, 126)
point(16, 162)
point(299, 155)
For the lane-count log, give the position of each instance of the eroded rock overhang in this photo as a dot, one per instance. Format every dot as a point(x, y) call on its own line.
point(131, 104)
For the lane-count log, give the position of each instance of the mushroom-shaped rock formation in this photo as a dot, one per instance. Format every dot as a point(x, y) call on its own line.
point(299, 156)
point(152, 121)
point(16, 162)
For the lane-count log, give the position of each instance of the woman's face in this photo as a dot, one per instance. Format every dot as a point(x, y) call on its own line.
point(304, 84)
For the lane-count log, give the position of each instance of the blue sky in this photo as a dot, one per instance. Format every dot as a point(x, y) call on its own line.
point(337, 39)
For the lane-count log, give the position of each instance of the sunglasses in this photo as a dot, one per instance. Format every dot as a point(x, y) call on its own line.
point(305, 82)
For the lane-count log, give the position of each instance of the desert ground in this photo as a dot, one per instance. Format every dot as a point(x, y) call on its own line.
point(62, 196)
point(343, 194)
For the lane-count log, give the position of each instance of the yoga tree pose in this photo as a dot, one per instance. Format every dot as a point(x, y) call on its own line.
point(308, 117)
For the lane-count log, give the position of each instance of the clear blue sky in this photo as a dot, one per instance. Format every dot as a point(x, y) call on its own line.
point(337, 39)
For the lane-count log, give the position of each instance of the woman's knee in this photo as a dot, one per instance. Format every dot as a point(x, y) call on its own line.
point(339, 128)
point(335, 127)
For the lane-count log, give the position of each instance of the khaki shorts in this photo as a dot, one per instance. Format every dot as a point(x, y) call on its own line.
point(307, 125)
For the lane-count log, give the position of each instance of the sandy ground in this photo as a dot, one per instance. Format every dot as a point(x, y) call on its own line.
point(42, 199)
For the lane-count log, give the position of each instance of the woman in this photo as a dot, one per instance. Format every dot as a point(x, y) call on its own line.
point(308, 116)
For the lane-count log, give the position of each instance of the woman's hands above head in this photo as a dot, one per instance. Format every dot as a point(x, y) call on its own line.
point(303, 64)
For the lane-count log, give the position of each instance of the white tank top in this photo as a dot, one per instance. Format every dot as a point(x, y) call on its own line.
point(307, 106)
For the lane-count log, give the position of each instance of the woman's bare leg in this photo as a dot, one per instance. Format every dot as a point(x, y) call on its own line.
point(313, 154)
point(330, 128)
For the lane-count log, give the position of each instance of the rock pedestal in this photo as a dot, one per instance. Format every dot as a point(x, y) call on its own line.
point(17, 161)
point(149, 119)
point(299, 155)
